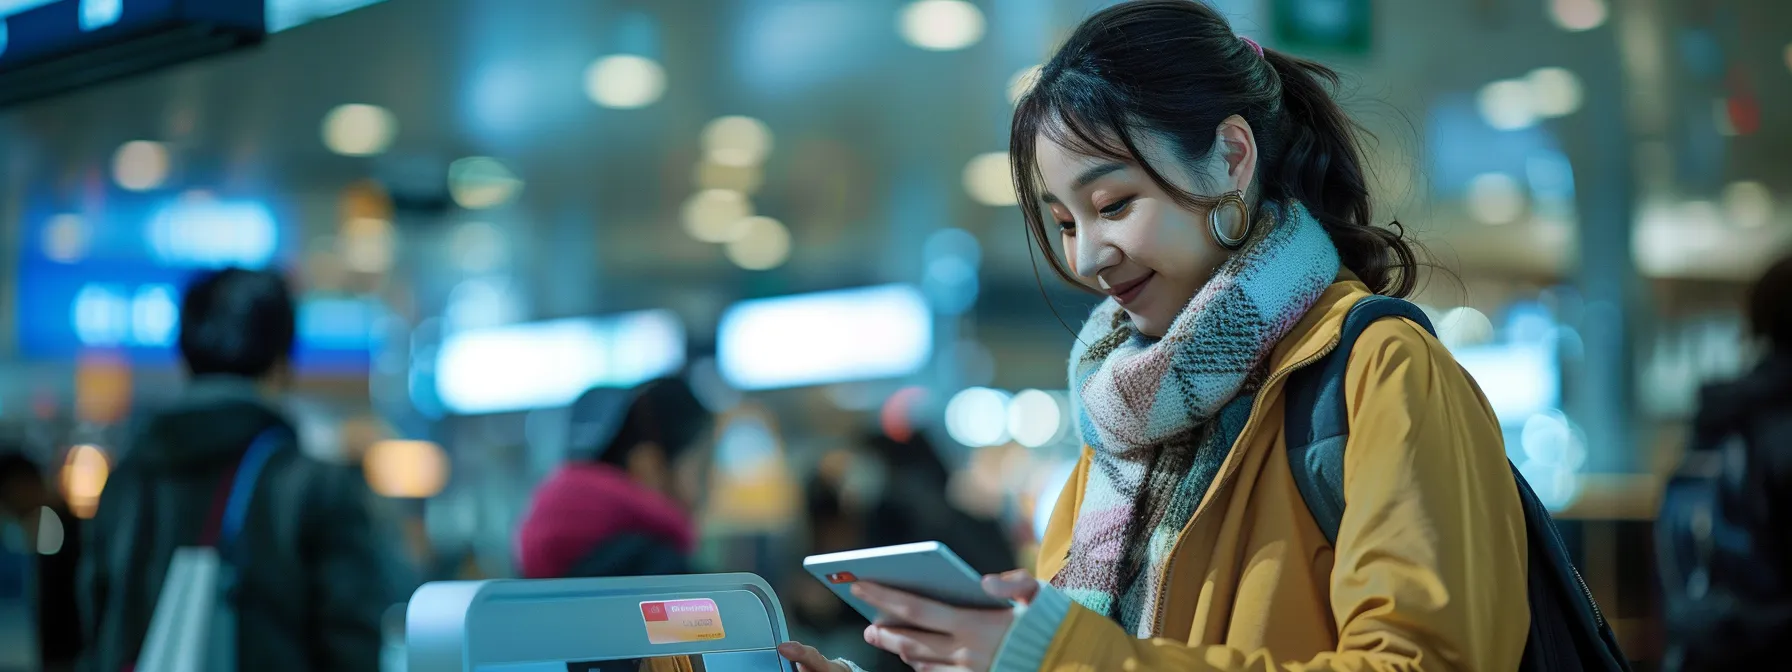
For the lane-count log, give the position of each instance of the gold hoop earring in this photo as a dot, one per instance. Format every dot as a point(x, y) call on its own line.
point(1234, 200)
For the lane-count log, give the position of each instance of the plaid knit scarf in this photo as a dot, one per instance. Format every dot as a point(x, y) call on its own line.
point(1161, 414)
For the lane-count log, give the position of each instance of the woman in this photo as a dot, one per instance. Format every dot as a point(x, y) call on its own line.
point(624, 505)
point(1215, 192)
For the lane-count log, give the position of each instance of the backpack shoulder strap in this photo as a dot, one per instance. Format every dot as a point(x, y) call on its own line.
point(1316, 421)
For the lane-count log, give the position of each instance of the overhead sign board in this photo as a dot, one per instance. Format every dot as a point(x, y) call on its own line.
point(51, 46)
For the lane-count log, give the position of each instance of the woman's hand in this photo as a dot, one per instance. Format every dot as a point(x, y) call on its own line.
point(945, 637)
point(808, 659)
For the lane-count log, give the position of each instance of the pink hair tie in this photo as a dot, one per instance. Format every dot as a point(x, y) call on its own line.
point(1254, 46)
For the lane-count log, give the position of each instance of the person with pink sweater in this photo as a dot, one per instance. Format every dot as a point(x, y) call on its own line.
point(623, 505)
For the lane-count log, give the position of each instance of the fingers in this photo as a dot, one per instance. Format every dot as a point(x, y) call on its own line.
point(807, 658)
point(909, 608)
point(918, 648)
point(1017, 585)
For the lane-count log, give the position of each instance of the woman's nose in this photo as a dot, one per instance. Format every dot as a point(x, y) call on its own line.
point(1094, 254)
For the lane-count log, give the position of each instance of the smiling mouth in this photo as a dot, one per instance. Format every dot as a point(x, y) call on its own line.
point(1129, 291)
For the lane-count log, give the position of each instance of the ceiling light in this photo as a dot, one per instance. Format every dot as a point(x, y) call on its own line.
point(737, 141)
point(1578, 15)
point(625, 81)
point(743, 179)
point(764, 244)
point(140, 165)
point(716, 215)
point(359, 130)
point(941, 25)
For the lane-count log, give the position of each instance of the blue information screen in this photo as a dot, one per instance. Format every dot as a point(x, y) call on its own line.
point(35, 30)
point(113, 280)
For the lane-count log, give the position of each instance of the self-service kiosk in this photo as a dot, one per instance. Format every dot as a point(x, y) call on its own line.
point(701, 623)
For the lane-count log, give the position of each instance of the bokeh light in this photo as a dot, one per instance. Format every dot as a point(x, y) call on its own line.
point(1495, 198)
point(717, 215)
point(1555, 92)
point(480, 182)
point(978, 417)
point(65, 238)
point(737, 141)
point(989, 180)
point(1748, 204)
point(625, 81)
point(1555, 450)
point(744, 179)
point(764, 244)
point(368, 245)
point(406, 469)
point(140, 165)
point(1578, 15)
point(897, 417)
point(477, 247)
point(1506, 105)
point(50, 532)
point(1464, 327)
point(359, 130)
point(941, 25)
point(83, 478)
point(1022, 82)
point(1035, 418)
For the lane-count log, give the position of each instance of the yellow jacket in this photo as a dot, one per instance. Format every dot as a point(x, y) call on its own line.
point(1429, 568)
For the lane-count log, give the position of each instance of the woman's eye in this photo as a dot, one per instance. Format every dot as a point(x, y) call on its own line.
point(1116, 208)
point(1067, 227)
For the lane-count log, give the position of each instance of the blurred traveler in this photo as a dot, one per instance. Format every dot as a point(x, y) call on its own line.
point(1216, 193)
point(1725, 529)
point(311, 589)
point(623, 505)
point(913, 506)
point(28, 499)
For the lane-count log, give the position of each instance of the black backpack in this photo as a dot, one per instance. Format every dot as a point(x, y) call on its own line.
point(1721, 543)
point(1567, 630)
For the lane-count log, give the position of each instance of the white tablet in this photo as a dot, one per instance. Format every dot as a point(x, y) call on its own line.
point(928, 569)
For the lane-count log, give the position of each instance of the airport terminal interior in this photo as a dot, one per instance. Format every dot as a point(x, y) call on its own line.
point(806, 210)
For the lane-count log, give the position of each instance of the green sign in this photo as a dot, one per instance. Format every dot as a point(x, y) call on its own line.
point(1324, 25)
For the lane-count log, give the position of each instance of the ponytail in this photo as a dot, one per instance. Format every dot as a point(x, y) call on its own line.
point(1321, 166)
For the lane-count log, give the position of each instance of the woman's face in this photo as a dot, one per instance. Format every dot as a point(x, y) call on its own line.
point(1124, 236)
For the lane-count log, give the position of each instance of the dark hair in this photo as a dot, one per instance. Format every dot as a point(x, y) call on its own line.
point(1768, 316)
point(664, 412)
point(238, 322)
point(1175, 69)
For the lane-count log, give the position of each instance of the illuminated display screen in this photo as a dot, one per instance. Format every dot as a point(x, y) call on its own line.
point(36, 30)
point(113, 280)
point(135, 309)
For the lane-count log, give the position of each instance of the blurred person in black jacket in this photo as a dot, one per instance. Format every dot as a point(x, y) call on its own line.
point(28, 499)
point(312, 582)
point(1725, 530)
